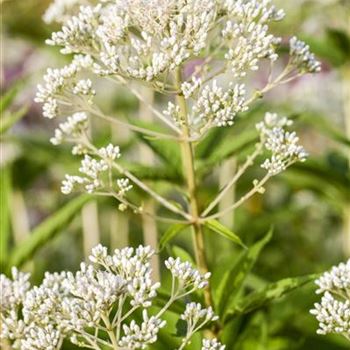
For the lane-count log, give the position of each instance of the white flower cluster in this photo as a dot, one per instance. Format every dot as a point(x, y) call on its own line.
point(333, 312)
point(62, 87)
point(73, 128)
point(212, 344)
point(248, 35)
point(189, 88)
point(140, 336)
point(282, 144)
point(151, 40)
point(216, 107)
point(302, 58)
point(93, 171)
point(101, 296)
point(169, 33)
point(124, 186)
point(61, 10)
point(187, 275)
point(195, 314)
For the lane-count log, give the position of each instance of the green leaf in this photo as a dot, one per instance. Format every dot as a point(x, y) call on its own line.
point(271, 292)
point(222, 230)
point(170, 234)
point(155, 173)
point(231, 146)
point(182, 254)
point(326, 127)
point(231, 284)
point(163, 297)
point(7, 99)
point(330, 47)
point(47, 230)
point(255, 334)
point(181, 328)
point(11, 119)
point(167, 150)
point(5, 190)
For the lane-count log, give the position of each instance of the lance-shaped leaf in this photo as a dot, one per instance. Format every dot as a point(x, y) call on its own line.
point(229, 148)
point(10, 95)
point(172, 232)
point(271, 292)
point(11, 118)
point(232, 282)
point(181, 253)
point(222, 230)
point(47, 230)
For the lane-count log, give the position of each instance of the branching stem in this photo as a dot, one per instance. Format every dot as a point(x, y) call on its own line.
point(190, 175)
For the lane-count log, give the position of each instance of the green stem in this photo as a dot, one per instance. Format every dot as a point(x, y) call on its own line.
point(110, 332)
point(346, 99)
point(187, 153)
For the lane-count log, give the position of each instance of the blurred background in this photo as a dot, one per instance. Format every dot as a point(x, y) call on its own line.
point(308, 205)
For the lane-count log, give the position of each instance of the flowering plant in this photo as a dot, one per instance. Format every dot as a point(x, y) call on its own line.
point(183, 52)
point(100, 299)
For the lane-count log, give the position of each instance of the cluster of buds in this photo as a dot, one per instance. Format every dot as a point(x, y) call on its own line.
point(99, 302)
point(333, 312)
point(282, 144)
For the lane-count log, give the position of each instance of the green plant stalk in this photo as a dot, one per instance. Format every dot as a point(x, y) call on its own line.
point(187, 154)
point(346, 99)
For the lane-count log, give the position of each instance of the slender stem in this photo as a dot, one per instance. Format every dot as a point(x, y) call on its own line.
point(148, 190)
point(98, 113)
point(140, 97)
point(235, 205)
point(110, 332)
point(140, 184)
point(238, 174)
point(190, 175)
point(346, 102)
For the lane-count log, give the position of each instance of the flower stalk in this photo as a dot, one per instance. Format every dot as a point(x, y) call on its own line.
point(187, 153)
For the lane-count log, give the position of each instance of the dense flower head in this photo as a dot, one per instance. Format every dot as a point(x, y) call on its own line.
point(302, 58)
point(187, 275)
point(150, 40)
point(333, 315)
point(103, 293)
point(333, 312)
point(337, 279)
point(282, 144)
point(212, 344)
point(13, 290)
point(140, 336)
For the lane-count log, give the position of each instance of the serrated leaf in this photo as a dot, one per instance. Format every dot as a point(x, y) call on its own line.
point(47, 230)
point(170, 234)
point(11, 119)
point(222, 230)
point(231, 284)
point(271, 292)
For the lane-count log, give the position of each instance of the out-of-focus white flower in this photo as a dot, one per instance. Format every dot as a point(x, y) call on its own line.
point(333, 312)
